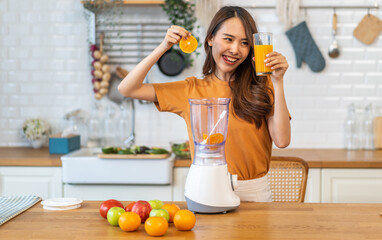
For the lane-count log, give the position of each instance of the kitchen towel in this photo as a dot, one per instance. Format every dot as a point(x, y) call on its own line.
point(12, 206)
point(305, 48)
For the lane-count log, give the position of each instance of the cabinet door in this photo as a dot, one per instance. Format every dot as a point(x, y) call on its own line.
point(41, 181)
point(120, 192)
point(351, 185)
point(180, 176)
point(313, 187)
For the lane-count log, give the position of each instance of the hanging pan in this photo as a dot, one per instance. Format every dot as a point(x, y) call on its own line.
point(171, 63)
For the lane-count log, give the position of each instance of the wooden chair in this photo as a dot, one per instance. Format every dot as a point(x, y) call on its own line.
point(287, 177)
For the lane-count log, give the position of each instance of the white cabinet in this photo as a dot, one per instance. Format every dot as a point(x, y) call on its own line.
point(120, 192)
point(313, 187)
point(342, 185)
point(180, 176)
point(41, 181)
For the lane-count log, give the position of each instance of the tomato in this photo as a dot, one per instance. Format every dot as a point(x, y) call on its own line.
point(106, 205)
point(129, 207)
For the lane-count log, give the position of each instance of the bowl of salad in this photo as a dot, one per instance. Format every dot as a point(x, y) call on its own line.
point(181, 149)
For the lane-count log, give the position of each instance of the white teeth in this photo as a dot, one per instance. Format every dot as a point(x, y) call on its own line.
point(231, 59)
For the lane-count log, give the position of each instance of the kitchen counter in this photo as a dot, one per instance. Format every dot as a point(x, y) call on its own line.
point(326, 158)
point(316, 158)
point(249, 221)
point(26, 156)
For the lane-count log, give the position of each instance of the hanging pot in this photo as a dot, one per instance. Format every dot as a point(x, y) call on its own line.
point(171, 63)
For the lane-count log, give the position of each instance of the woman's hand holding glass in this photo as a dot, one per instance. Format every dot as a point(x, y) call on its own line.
point(278, 64)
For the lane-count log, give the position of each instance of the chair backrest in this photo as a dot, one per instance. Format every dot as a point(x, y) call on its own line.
point(287, 178)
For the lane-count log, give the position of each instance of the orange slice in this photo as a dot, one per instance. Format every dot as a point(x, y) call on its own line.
point(215, 138)
point(188, 45)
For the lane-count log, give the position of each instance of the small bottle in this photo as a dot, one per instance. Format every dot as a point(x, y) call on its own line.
point(351, 136)
point(110, 128)
point(367, 128)
point(95, 129)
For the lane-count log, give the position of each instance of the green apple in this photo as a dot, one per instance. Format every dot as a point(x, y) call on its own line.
point(113, 215)
point(160, 213)
point(156, 204)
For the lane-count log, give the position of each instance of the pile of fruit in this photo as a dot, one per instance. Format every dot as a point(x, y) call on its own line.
point(100, 71)
point(134, 150)
point(154, 214)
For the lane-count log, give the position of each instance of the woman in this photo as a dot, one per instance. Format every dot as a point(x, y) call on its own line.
point(258, 111)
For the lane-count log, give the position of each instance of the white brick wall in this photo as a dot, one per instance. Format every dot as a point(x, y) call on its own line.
point(44, 72)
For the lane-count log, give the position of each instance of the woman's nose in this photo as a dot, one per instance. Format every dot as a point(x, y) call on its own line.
point(234, 48)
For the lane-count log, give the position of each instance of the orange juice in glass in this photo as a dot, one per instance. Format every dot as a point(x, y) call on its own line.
point(262, 46)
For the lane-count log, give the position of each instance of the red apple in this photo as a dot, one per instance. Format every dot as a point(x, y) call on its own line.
point(106, 205)
point(129, 207)
point(143, 209)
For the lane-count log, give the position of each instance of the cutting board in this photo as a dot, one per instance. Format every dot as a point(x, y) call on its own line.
point(133, 156)
point(368, 29)
point(378, 132)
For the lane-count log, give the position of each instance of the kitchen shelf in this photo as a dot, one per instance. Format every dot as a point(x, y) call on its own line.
point(96, 3)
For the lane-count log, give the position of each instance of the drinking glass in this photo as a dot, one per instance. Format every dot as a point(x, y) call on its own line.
point(262, 46)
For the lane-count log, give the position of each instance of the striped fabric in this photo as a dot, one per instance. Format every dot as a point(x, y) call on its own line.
point(12, 206)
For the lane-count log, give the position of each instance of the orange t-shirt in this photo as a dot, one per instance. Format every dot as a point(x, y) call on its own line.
point(248, 149)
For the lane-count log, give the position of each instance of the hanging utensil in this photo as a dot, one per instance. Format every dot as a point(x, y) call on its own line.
point(334, 51)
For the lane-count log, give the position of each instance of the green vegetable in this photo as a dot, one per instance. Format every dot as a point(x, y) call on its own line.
point(108, 150)
point(156, 150)
point(139, 149)
point(181, 150)
point(125, 151)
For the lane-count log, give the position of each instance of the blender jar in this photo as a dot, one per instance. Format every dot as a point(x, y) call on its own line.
point(209, 121)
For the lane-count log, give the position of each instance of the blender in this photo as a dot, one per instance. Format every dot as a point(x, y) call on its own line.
point(209, 186)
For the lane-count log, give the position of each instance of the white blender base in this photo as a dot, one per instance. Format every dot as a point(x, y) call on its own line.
point(200, 208)
point(208, 189)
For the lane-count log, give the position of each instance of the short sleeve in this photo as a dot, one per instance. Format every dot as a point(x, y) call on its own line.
point(172, 96)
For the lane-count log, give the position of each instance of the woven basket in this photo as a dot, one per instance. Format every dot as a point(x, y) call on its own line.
point(287, 178)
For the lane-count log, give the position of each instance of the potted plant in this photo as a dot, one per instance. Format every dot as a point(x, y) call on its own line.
point(36, 131)
point(181, 13)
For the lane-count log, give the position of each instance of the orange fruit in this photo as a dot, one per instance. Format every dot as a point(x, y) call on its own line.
point(188, 45)
point(129, 221)
point(215, 138)
point(156, 226)
point(172, 209)
point(184, 220)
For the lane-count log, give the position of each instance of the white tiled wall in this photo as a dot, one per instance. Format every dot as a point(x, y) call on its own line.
point(44, 72)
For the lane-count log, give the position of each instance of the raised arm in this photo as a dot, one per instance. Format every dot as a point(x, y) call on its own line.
point(132, 85)
point(279, 122)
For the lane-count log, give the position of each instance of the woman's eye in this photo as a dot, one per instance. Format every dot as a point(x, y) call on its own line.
point(245, 43)
point(228, 39)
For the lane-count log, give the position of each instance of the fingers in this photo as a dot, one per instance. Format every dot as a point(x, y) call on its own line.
point(276, 60)
point(176, 33)
point(173, 36)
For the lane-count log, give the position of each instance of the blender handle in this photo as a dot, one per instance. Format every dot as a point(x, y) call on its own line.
point(233, 181)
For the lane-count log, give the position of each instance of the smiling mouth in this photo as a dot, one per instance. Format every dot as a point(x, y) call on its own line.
point(229, 60)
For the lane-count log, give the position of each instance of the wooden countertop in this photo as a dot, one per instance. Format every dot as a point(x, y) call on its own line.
point(316, 158)
point(26, 156)
point(326, 158)
point(249, 221)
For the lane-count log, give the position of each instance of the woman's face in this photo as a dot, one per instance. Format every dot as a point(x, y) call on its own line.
point(230, 47)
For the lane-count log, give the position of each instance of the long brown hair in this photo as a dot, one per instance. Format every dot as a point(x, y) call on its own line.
point(251, 95)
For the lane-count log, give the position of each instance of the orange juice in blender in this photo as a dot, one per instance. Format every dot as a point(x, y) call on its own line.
point(262, 46)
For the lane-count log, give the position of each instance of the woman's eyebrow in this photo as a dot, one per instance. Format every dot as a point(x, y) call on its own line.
point(232, 36)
